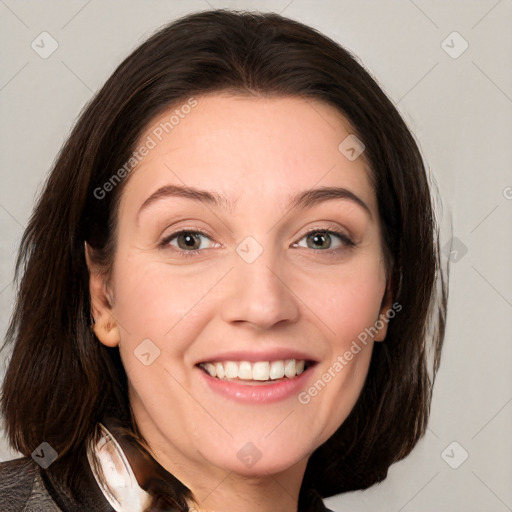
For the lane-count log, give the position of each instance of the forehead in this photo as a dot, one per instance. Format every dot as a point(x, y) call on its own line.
point(248, 148)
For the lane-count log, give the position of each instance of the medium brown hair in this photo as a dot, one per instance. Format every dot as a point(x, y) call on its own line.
point(61, 381)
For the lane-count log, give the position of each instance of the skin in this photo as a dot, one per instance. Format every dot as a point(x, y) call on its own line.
point(256, 152)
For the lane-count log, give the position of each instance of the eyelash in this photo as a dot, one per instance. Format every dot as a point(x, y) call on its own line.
point(346, 241)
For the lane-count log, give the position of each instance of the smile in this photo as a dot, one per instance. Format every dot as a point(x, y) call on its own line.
point(259, 371)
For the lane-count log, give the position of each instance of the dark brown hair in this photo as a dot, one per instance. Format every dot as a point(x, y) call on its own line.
point(61, 381)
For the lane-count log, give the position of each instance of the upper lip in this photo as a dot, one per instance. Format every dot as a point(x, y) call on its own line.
point(253, 356)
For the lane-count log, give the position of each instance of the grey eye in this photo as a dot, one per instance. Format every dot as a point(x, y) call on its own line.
point(321, 240)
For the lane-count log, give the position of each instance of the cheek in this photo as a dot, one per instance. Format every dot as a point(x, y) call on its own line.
point(151, 301)
point(341, 376)
point(348, 303)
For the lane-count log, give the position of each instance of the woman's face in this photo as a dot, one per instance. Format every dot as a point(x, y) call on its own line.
point(248, 243)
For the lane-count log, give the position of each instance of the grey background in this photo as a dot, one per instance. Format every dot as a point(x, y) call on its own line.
point(460, 110)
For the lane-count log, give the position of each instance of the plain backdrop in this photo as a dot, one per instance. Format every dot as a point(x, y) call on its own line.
point(446, 65)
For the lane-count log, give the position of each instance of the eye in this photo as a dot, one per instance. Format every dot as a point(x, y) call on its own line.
point(191, 242)
point(324, 240)
point(187, 241)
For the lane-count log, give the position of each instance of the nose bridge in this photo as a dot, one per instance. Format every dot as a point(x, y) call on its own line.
point(258, 292)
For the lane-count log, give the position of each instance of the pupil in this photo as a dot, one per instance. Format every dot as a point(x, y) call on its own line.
point(189, 240)
point(320, 238)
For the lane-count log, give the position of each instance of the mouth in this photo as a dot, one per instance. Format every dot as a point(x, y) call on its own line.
point(256, 372)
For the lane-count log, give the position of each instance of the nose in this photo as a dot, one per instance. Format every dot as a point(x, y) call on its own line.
point(260, 294)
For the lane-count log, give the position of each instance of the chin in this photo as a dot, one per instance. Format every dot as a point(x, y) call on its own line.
point(259, 459)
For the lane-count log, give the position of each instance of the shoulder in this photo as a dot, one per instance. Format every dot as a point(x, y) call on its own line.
point(17, 476)
point(17, 480)
point(18, 467)
point(21, 487)
point(25, 487)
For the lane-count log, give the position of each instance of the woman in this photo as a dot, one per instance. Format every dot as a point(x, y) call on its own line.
point(228, 286)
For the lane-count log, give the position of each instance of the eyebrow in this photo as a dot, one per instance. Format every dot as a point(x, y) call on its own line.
point(303, 200)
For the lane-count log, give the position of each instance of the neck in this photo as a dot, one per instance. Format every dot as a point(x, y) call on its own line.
point(217, 489)
point(238, 494)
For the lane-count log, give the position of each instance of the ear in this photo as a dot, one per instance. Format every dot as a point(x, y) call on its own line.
point(105, 326)
point(382, 322)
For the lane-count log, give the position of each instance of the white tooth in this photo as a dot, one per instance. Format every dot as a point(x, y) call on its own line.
point(289, 368)
point(245, 370)
point(261, 370)
point(276, 370)
point(210, 368)
point(231, 369)
point(300, 366)
point(219, 369)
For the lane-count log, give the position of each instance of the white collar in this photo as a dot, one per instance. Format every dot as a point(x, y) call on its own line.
point(118, 482)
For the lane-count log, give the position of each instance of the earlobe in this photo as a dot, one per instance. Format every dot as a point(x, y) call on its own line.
point(106, 331)
point(105, 326)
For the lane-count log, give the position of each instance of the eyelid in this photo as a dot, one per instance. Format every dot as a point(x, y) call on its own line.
point(329, 227)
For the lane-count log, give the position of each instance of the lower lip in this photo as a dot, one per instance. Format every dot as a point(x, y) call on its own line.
point(265, 393)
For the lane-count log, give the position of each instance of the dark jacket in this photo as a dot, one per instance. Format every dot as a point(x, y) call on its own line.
point(27, 487)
